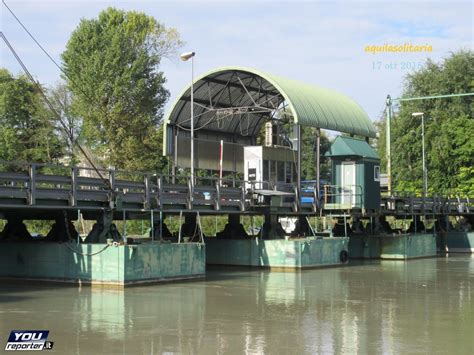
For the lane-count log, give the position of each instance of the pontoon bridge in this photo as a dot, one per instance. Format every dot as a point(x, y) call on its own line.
point(247, 129)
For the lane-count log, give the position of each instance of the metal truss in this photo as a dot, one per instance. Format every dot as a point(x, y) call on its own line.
point(252, 101)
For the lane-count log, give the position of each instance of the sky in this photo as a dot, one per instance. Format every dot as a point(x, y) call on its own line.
point(318, 42)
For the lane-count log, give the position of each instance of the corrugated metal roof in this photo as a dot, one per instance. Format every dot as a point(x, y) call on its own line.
point(310, 105)
point(324, 108)
point(348, 146)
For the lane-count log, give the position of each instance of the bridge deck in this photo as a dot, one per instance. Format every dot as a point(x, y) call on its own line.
point(37, 188)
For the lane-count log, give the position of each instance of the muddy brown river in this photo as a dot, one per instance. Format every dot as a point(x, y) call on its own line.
point(376, 307)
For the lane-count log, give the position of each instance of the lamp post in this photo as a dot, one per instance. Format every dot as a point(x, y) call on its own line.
point(184, 57)
point(389, 103)
point(425, 172)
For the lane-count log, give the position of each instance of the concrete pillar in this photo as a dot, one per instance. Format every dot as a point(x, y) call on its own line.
point(190, 228)
point(302, 228)
point(233, 229)
point(103, 229)
point(272, 229)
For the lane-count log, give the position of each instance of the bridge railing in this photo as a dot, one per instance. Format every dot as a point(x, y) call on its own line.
point(411, 203)
point(343, 197)
point(33, 184)
point(66, 186)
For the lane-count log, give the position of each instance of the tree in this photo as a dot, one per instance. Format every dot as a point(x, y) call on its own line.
point(449, 128)
point(27, 132)
point(61, 99)
point(111, 65)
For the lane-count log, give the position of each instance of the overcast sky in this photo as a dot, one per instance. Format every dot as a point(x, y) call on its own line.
point(317, 42)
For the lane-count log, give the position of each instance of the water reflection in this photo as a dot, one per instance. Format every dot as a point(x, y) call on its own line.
point(375, 307)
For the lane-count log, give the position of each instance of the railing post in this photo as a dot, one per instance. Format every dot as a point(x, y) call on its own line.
point(147, 203)
point(32, 187)
point(112, 194)
point(180, 226)
point(74, 186)
point(159, 182)
point(190, 194)
point(298, 199)
point(317, 202)
point(112, 179)
point(218, 195)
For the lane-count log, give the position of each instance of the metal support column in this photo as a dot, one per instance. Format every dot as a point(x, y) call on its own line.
point(124, 233)
point(152, 229)
point(298, 183)
point(192, 129)
point(32, 184)
point(161, 225)
point(318, 162)
point(175, 158)
point(388, 143)
point(74, 176)
point(425, 171)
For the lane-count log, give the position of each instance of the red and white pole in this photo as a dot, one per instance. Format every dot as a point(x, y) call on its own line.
point(221, 154)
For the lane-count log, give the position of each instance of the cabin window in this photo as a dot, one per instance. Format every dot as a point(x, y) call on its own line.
point(376, 173)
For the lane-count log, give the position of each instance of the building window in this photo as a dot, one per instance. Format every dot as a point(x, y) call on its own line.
point(266, 170)
point(288, 176)
point(281, 171)
point(376, 173)
point(273, 171)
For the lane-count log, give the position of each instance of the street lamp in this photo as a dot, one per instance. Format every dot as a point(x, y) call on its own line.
point(425, 172)
point(184, 57)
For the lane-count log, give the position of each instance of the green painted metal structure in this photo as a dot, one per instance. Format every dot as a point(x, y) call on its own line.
point(277, 253)
point(397, 247)
point(234, 86)
point(344, 147)
point(407, 247)
point(459, 242)
point(115, 265)
point(366, 160)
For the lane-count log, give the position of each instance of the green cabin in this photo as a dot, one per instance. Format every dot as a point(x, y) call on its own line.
point(355, 175)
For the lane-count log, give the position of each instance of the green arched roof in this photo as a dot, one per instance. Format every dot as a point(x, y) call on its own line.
point(223, 88)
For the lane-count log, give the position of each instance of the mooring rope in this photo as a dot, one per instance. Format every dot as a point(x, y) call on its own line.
point(86, 254)
point(72, 239)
